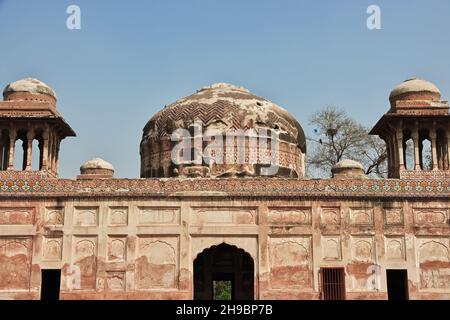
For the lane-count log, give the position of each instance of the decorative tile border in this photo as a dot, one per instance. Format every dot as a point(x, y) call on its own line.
point(218, 187)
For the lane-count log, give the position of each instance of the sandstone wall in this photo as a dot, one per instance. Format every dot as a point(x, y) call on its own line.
point(144, 247)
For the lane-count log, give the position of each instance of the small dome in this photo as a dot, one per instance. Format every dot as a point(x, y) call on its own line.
point(415, 89)
point(348, 164)
point(96, 169)
point(348, 169)
point(96, 163)
point(28, 85)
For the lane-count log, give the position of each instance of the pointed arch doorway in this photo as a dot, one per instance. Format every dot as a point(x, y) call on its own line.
point(223, 272)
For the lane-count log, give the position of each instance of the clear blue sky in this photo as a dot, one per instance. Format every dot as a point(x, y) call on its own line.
point(130, 58)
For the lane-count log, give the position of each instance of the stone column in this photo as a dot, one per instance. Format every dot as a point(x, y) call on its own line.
point(30, 137)
point(2, 151)
point(415, 136)
point(45, 137)
point(400, 149)
point(57, 155)
point(433, 147)
point(388, 154)
point(12, 142)
point(53, 152)
point(448, 147)
point(50, 148)
point(393, 156)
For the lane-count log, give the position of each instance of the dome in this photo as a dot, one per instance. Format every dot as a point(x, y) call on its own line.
point(96, 168)
point(223, 102)
point(29, 85)
point(348, 168)
point(348, 164)
point(415, 89)
point(223, 107)
point(96, 163)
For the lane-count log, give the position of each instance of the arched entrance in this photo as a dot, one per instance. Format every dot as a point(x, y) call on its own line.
point(223, 272)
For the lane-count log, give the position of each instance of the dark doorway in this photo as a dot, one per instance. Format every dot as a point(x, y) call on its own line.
point(397, 284)
point(223, 272)
point(223, 286)
point(50, 283)
point(333, 283)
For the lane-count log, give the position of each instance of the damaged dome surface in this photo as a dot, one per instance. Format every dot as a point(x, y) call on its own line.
point(222, 107)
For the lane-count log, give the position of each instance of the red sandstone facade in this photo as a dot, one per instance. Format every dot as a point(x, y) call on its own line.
point(169, 238)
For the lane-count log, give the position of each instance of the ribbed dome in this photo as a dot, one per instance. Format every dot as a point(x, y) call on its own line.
point(415, 89)
point(224, 108)
point(28, 85)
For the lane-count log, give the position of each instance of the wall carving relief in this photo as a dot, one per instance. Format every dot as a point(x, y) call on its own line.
point(290, 262)
point(361, 216)
point(393, 216)
point(86, 217)
point(15, 263)
point(363, 271)
point(289, 216)
point(431, 216)
point(156, 266)
point(395, 248)
point(52, 250)
point(224, 215)
point(157, 215)
point(115, 280)
point(330, 216)
point(363, 249)
point(434, 262)
point(117, 247)
point(54, 216)
point(85, 257)
point(331, 248)
point(11, 216)
point(118, 216)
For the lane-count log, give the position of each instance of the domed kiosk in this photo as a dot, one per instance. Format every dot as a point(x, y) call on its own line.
point(220, 115)
point(30, 89)
point(27, 113)
point(417, 115)
point(415, 89)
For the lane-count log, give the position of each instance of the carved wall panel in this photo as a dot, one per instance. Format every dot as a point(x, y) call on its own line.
point(12, 216)
point(395, 248)
point(289, 216)
point(224, 216)
point(118, 216)
point(86, 217)
point(434, 262)
point(157, 263)
point(115, 280)
point(158, 215)
point(331, 248)
point(431, 216)
point(52, 248)
point(290, 262)
point(363, 249)
point(364, 273)
point(117, 248)
point(54, 216)
point(393, 216)
point(15, 263)
point(361, 216)
point(85, 257)
point(330, 216)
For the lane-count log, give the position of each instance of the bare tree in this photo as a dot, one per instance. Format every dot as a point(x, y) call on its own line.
point(337, 137)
